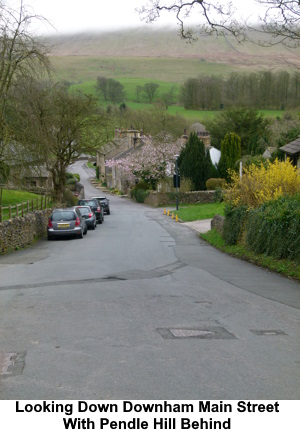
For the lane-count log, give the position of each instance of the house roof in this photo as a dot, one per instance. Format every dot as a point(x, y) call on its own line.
point(292, 147)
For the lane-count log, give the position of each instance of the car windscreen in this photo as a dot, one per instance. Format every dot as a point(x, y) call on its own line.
point(63, 216)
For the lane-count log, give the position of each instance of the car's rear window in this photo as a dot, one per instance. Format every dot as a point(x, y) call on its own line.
point(63, 216)
point(85, 210)
point(91, 203)
point(87, 203)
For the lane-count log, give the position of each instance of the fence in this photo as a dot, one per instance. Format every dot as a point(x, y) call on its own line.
point(20, 209)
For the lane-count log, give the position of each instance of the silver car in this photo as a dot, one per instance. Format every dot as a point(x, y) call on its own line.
point(88, 216)
point(66, 222)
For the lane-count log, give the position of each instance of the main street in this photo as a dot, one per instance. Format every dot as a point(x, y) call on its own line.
point(141, 308)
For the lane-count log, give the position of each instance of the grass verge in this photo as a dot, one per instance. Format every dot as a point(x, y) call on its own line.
point(288, 268)
point(199, 211)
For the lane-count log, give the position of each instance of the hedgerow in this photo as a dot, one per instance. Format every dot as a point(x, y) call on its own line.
point(274, 228)
point(262, 210)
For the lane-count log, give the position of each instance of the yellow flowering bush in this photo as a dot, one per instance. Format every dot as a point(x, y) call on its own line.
point(260, 184)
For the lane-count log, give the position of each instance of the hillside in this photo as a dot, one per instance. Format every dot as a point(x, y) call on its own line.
point(145, 42)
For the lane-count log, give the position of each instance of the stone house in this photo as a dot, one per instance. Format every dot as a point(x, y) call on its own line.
point(292, 151)
point(125, 142)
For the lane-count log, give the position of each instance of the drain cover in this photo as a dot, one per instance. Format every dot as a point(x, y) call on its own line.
point(195, 333)
point(268, 332)
point(189, 333)
point(12, 363)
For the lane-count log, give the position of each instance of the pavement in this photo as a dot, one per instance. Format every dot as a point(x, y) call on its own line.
point(202, 226)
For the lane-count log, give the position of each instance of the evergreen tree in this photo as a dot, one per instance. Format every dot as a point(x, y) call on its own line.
point(194, 162)
point(230, 154)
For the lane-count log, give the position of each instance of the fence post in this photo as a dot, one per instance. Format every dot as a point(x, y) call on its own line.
point(27, 206)
point(37, 203)
point(22, 206)
point(32, 205)
point(41, 202)
point(17, 210)
point(9, 209)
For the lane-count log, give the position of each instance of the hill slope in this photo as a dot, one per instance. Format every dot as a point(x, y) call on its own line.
point(165, 43)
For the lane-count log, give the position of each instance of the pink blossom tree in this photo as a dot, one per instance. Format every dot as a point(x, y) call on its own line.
point(150, 162)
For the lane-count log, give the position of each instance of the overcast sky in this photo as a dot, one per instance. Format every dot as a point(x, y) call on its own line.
point(70, 16)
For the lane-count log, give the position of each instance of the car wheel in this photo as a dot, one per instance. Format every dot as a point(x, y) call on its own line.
point(49, 237)
point(81, 234)
point(108, 212)
point(100, 220)
point(93, 226)
point(85, 230)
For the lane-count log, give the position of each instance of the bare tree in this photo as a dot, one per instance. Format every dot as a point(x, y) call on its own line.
point(281, 21)
point(56, 127)
point(20, 55)
point(214, 16)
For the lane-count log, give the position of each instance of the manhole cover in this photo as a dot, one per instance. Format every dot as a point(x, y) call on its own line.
point(190, 333)
point(268, 332)
point(12, 363)
point(196, 333)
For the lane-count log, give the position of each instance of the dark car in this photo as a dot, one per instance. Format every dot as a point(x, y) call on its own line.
point(66, 222)
point(88, 216)
point(95, 206)
point(104, 202)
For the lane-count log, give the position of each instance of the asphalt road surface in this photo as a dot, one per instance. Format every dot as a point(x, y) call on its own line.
point(141, 308)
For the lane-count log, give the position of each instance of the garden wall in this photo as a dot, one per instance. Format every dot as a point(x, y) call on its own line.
point(19, 232)
point(169, 199)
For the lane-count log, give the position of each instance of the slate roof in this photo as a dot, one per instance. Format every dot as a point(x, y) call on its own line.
point(292, 147)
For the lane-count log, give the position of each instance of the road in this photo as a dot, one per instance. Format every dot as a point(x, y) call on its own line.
point(141, 308)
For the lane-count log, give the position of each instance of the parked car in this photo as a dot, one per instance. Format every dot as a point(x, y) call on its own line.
point(88, 216)
point(95, 206)
point(104, 202)
point(66, 222)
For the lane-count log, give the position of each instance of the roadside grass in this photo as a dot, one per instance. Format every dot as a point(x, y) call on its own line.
point(285, 267)
point(13, 197)
point(199, 211)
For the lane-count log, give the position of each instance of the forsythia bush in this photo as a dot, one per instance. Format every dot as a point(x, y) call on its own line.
point(260, 184)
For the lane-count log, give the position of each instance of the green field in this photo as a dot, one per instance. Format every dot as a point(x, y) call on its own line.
point(13, 197)
point(130, 84)
point(135, 57)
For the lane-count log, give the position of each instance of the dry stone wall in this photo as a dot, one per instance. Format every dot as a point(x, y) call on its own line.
point(20, 232)
point(167, 199)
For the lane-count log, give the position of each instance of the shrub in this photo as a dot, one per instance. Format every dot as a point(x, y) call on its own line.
point(214, 183)
point(71, 181)
point(234, 224)
point(69, 198)
point(260, 184)
point(77, 176)
point(141, 195)
point(274, 228)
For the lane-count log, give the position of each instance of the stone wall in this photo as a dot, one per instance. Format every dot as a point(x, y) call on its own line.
point(20, 232)
point(217, 223)
point(169, 199)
